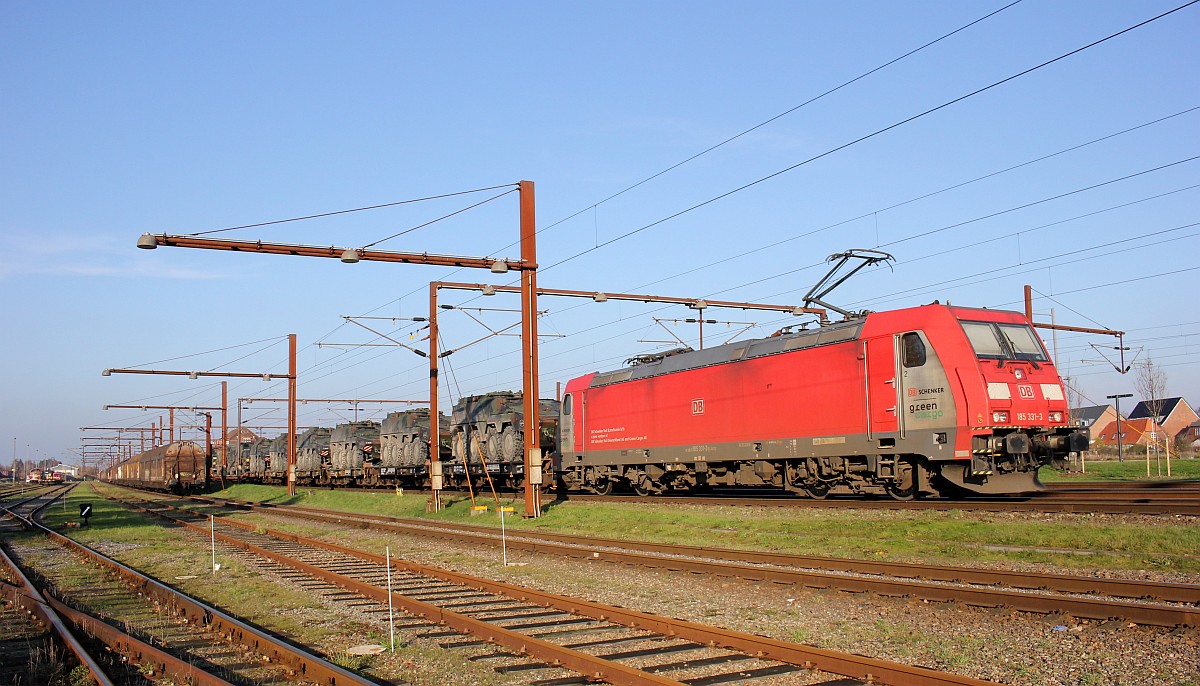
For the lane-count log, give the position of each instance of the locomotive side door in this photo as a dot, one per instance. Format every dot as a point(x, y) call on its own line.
point(882, 385)
point(566, 425)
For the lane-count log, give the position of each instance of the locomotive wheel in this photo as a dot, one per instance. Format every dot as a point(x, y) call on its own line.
point(512, 443)
point(817, 490)
point(905, 485)
point(603, 487)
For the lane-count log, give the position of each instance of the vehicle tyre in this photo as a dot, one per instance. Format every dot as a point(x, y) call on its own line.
point(512, 444)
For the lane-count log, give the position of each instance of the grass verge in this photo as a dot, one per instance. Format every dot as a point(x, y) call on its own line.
point(1073, 541)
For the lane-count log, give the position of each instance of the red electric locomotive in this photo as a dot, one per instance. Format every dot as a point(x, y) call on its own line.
point(927, 400)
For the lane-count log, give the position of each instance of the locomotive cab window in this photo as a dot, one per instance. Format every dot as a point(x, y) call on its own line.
point(997, 341)
point(1023, 342)
point(914, 350)
point(566, 404)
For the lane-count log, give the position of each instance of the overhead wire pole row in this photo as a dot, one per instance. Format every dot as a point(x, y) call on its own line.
point(291, 379)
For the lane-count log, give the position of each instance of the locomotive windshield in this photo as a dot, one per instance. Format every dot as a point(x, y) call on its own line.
point(993, 340)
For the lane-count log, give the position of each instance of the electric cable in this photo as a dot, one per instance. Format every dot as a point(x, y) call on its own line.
point(356, 209)
point(868, 136)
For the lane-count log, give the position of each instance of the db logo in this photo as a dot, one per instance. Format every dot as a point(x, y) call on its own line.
point(698, 406)
point(1025, 391)
point(912, 392)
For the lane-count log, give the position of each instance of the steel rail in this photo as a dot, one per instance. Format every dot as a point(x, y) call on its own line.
point(137, 651)
point(26, 595)
point(550, 653)
point(1088, 608)
point(1167, 485)
point(1131, 495)
point(808, 657)
point(604, 548)
point(1127, 506)
point(192, 611)
point(1181, 502)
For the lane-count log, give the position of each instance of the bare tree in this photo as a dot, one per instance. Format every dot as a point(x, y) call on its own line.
point(1074, 396)
point(1150, 381)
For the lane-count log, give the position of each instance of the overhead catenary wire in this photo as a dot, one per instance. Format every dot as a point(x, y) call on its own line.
point(925, 234)
point(1068, 307)
point(1109, 284)
point(946, 250)
point(916, 289)
point(761, 124)
point(769, 323)
point(618, 335)
point(1042, 158)
point(273, 339)
point(445, 216)
point(868, 136)
point(875, 212)
point(1137, 238)
point(776, 117)
point(349, 211)
point(961, 224)
point(909, 201)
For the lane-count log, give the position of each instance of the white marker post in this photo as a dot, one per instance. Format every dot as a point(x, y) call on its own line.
point(391, 619)
point(503, 535)
point(212, 537)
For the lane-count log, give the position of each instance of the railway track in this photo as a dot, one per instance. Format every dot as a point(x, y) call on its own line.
point(1153, 497)
point(157, 631)
point(1175, 485)
point(1174, 604)
point(1104, 502)
point(38, 643)
point(594, 641)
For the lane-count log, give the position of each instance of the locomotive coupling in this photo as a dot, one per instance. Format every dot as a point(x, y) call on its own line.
point(1074, 442)
point(1017, 444)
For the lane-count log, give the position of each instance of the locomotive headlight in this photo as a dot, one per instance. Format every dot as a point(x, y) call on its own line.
point(1055, 416)
point(1000, 417)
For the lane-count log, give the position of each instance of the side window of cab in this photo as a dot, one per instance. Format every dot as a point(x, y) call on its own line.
point(914, 350)
point(566, 405)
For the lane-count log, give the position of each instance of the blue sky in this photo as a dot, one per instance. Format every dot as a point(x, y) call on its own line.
point(120, 118)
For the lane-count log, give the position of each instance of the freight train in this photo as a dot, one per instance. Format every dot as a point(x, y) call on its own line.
point(924, 401)
point(179, 467)
point(484, 439)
